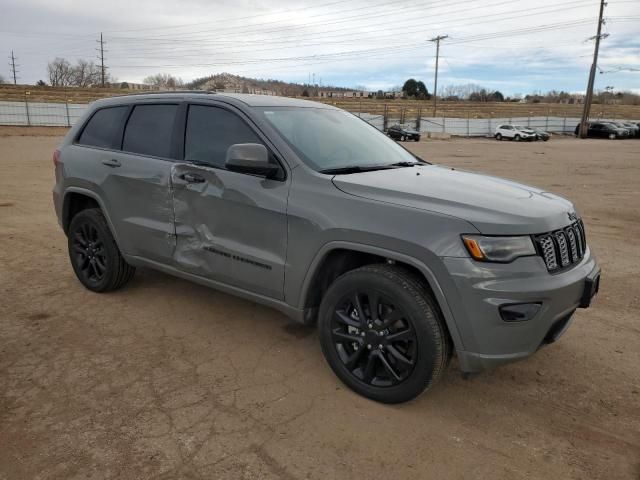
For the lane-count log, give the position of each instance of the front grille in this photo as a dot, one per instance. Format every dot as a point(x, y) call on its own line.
point(562, 248)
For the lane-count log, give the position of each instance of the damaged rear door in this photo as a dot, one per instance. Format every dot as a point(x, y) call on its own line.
point(230, 227)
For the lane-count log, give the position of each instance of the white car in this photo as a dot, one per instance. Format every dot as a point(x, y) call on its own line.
point(515, 132)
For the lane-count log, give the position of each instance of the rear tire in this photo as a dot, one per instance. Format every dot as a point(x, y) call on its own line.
point(94, 255)
point(612, 136)
point(402, 138)
point(392, 352)
point(516, 138)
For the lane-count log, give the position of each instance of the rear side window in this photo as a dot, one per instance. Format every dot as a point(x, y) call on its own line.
point(149, 129)
point(103, 127)
point(211, 131)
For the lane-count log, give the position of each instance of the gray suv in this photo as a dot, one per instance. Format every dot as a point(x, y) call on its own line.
point(305, 208)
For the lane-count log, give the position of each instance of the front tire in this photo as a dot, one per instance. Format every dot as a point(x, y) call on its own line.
point(402, 138)
point(499, 137)
point(382, 333)
point(94, 255)
point(612, 136)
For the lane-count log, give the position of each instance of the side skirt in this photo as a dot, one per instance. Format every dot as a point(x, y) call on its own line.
point(290, 311)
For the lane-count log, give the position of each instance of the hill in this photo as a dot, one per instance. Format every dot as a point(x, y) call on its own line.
point(234, 83)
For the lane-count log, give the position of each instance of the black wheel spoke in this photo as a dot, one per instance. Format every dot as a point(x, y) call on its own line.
point(346, 337)
point(355, 357)
point(374, 305)
point(370, 369)
point(80, 238)
point(391, 318)
point(358, 306)
point(403, 335)
point(100, 265)
point(79, 250)
point(387, 366)
point(395, 353)
point(345, 319)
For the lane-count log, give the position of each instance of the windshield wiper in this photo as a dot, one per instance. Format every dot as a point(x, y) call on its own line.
point(405, 164)
point(354, 169)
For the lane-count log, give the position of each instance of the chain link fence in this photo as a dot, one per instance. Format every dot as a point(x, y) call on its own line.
point(28, 113)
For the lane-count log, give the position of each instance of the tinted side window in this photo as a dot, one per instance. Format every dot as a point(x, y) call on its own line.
point(149, 130)
point(102, 128)
point(211, 131)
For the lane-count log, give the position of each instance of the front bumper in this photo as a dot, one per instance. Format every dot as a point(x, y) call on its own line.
point(482, 288)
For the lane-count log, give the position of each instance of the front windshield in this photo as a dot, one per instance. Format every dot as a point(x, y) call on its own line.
point(327, 139)
point(520, 127)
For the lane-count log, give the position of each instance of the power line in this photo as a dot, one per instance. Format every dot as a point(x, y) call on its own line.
point(435, 83)
point(101, 58)
point(13, 67)
point(584, 127)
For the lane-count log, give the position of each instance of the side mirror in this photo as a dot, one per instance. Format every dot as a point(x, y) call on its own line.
point(251, 158)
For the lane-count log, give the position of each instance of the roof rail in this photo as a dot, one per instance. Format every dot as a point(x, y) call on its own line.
point(165, 92)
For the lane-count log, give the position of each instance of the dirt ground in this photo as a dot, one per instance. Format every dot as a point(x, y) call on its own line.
point(167, 379)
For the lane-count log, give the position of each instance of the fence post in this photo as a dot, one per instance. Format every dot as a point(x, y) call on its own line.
point(468, 120)
point(26, 106)
point(66, 107)
point(489, 125)
point(418, 119)
point(385, 119)
point(444, 119)
point(546, 124)
point(402, 116)
point(564, 123)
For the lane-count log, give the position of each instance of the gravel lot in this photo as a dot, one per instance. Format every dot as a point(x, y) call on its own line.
point(169, 379)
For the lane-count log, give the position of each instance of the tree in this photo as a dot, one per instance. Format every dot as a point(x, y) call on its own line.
point(41, 83)
point(497, 96)
point(164, 80)
point(421, 91)
point(60, 72)
point(305, 93)
point(410, 88)
point(124, 85)
point(2, 79)
point(85, 74)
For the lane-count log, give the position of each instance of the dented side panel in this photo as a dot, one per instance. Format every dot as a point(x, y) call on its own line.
point(231, 227)
point(136, 195)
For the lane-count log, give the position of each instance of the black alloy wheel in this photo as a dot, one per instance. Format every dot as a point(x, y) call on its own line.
point(383, 334)
point(374, 338)
point(94, 254)
point(88, 249)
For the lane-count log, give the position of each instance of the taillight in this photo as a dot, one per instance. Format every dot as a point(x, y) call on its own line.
point(56, 157)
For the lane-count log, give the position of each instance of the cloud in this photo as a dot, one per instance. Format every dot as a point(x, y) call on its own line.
point(378, 44)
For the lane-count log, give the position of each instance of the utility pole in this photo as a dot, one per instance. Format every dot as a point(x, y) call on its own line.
point(435, 83)
point(101, 58)
point(584, 127)
point(13, 68)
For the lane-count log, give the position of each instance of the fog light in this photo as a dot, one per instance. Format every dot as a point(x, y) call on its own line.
point(519, 312)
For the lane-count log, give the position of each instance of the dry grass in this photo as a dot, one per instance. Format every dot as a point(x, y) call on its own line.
point(368, 105)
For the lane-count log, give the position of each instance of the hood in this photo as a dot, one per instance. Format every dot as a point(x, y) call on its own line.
point(493, 205)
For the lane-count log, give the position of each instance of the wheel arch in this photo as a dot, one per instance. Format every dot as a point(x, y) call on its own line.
point(77, 199)
point(336, 258)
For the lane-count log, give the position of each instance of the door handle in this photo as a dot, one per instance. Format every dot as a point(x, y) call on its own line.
point(192, 178)
point(113, 163)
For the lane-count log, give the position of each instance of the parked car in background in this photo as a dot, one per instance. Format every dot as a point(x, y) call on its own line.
point(604, 130)
point(634, 129)
point(541, 134)
point(402, 133)
point(516, 133)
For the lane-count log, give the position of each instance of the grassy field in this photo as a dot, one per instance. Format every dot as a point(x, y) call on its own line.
point(365, 105)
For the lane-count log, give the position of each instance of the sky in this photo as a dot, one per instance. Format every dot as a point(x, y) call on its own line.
point(515, 46)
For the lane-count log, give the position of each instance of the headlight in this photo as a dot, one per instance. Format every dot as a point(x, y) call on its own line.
point(498, 249)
